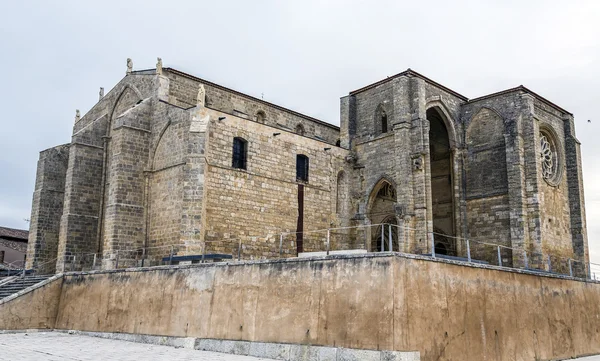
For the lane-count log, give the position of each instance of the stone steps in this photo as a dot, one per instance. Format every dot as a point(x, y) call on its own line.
point(20, 284)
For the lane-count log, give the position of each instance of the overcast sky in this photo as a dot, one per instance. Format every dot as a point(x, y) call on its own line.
point(302, 55)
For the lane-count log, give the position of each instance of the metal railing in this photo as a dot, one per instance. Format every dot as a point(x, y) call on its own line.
point(365, 238)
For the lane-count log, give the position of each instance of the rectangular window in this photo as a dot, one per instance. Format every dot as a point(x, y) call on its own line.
point(302, 168)
point(240, 153)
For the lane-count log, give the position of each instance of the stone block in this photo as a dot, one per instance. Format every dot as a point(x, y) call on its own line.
point(276, 351)
point(223, 346)
point(399, 356)
point(312, 353)
point(349, 354)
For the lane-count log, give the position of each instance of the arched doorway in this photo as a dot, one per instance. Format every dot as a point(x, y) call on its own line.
point(385, 232)
point(382, 214)
point(442, 189)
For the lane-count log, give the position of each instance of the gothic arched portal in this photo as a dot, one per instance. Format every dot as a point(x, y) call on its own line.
point(381, 213)
point(442, 194)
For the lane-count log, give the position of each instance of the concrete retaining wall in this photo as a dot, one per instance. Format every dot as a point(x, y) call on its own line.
point(443, 309)
point(35, 307)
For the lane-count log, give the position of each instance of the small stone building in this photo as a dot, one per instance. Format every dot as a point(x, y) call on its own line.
point(167, 159)
point(13, 247)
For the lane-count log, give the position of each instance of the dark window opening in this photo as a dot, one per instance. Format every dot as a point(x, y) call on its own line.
point(441, 248)
point(299, 129)
point(240, 153)
point(384, 123)
point(338, 143)
point(302, 168)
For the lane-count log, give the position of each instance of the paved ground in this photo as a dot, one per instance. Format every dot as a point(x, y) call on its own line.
point(51, 346)
point(54, 346)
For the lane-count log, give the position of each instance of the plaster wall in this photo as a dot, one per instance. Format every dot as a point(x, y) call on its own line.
point(36, 309)
point(444, 310)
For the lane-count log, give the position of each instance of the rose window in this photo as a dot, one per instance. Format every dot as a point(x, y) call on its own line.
point(549, 159)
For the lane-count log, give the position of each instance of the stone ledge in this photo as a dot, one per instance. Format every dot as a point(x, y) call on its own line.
point(295, 352)
point(335, 257)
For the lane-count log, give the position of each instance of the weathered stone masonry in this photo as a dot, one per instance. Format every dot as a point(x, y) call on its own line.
point(150, 167)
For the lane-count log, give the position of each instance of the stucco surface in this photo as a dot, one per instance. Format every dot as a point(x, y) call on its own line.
point(34, 309)
point(446, 311)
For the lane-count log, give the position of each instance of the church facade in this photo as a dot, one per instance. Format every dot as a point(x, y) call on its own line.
point(167, 159)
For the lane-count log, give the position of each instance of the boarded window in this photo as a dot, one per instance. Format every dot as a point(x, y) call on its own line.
point(302, 168)
point(240, 153)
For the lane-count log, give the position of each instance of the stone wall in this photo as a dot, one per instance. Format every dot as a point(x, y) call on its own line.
point(183, 91)
point(47, 208)
point(166, 182)
point(444, 310)
point(150, 167)
point(258, 203)
point(555, 220)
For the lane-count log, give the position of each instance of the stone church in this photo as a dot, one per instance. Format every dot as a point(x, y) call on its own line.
point(168, 159)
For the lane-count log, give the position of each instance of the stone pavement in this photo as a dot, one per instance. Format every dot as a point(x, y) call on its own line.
point(53, 346)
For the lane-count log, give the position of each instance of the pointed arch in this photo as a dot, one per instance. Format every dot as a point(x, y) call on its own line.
point(381, 210)
point(380, 183)
point(160, 136)
point(444, 113)
point(128, 97)
point(441, 194)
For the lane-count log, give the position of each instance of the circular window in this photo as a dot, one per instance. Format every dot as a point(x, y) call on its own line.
point(550, 159)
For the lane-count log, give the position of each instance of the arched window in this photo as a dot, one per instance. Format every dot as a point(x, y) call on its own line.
point(240, 153)
point(302, 168)
point(299, 129)
point(260, 117)
point(338, 143)
point(381, 120)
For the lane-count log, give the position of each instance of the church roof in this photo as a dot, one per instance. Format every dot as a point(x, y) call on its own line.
point(189, 76)
point(522, 88)
point(410, 72)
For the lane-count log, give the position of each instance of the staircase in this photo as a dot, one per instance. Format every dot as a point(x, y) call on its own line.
point(20, 284)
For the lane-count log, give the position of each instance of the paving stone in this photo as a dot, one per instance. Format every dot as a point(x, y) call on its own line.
point(53, 346)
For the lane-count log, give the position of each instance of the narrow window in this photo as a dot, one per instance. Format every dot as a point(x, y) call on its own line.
point(240, 153)
point(299, 129)
point(260, 117)
point(302, 168)
point(381, 120)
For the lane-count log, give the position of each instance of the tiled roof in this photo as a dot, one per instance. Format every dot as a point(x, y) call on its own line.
point(14, 233)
